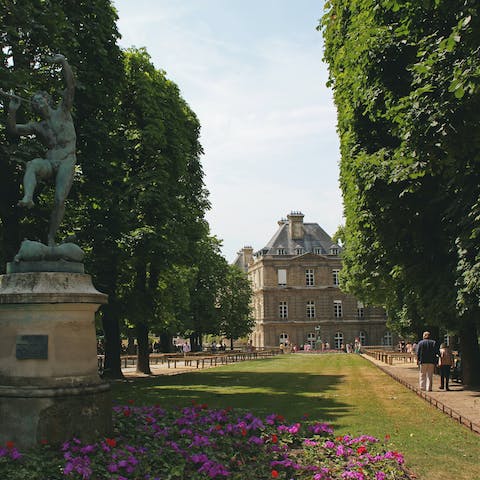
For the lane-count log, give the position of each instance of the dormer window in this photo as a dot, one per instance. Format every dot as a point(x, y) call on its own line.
point(317, 251)
point(334, 249)
point(299, 251)
point(281, 251)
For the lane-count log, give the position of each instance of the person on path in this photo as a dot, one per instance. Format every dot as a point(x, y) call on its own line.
point(427, 358)
point(445, 362)
point(186, 348)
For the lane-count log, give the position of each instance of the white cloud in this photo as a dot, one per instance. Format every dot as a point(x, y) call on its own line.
point(268, 121)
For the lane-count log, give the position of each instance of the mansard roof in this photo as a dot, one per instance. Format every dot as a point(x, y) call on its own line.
point(314, 240)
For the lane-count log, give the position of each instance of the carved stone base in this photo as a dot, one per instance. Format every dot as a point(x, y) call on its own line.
point(49, 385)
point(29, 415)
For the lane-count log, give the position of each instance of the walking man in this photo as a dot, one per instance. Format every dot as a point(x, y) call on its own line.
point(427, 358)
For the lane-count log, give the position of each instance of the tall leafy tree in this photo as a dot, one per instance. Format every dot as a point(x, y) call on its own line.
point(406, 83)
point(234, 305)
point(164, 190)
point(210, 271)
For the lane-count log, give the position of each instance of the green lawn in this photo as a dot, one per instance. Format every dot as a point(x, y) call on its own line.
point(345, 390)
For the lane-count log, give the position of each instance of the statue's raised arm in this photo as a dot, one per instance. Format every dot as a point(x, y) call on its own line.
point(69, 92)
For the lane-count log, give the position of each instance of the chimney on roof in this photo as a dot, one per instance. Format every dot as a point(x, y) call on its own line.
point(282, 221)
point(295, 225)
point(247, 255)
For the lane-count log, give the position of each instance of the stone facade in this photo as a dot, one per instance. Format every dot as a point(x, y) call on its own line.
point(296, 297)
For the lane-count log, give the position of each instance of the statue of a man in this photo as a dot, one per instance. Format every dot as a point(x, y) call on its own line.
point(57, 132)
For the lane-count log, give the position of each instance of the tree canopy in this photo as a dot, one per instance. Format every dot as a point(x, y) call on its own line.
point(406, 84)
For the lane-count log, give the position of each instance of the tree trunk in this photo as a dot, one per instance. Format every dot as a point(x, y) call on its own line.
point(469, 352)
point(166, 344)
point(196, 342)
point(111, 330)
point(143, 355)
point(231, 343)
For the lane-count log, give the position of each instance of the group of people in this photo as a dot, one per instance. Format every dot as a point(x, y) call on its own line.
point(430, 355)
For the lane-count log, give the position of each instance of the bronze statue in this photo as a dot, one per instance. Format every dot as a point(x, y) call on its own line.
point(57, 132)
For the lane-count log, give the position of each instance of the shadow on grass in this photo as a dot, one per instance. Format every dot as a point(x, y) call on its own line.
point(286, 393)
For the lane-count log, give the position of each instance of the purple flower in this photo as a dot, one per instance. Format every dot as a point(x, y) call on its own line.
point(319, 428)
point(199, 458)
point(354, 475)
point(87, 449)
point(201, 441)
point(255, 440)
point(213, 469)
point(342, 451)
point(15, 454)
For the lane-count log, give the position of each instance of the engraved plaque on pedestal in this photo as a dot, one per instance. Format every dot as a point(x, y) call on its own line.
point(32, 347)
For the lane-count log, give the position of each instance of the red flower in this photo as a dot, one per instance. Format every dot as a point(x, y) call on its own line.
point(274, 474)
point(44, 441)
point(387, 437)
point(280, 418)
point(274, 438)
point(131, 402)
point(244, 432)
point(127, 412)
point(203, 406)
point(149, 419)
point(111, 442)
point(362, 449)
point(10, 445)
point(218, 427)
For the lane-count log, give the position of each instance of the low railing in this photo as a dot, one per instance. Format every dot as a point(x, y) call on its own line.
point(389, 356)
point(462, 419)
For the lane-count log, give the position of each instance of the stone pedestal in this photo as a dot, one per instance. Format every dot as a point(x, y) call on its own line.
point(49, 384)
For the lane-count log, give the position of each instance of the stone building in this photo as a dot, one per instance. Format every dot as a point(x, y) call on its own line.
point(296, 294)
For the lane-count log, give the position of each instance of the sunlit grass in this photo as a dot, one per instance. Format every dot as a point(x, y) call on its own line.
point(345, 390)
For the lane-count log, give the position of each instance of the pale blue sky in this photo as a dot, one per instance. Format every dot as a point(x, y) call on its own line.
point(252, 71)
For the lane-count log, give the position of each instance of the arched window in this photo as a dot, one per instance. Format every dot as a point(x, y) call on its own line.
point(338, 340)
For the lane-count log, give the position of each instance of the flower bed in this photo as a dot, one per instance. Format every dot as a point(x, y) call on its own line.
point(196, 442)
